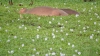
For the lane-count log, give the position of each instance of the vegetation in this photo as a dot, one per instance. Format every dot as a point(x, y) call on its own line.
point(50, 36)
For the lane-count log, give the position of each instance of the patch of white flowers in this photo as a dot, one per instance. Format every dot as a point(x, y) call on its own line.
point(91, 36)
point(78, 52)
point(53, 35)
point(11, 52)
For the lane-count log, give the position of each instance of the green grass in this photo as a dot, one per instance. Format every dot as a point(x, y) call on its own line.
point(50, 36)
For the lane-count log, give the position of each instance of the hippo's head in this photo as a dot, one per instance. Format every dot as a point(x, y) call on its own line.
point(22, 10)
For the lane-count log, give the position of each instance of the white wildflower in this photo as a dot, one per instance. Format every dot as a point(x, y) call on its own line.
point(87, 26)
point(76, 50)
point(22, 45)
point(18, 19)
point(22, 25)
point(60, 48)
point(6, 30)
point(54, 36)
point(34, 49)
point(96, 52)
point(90, 18)
point(21, 38)
point(33, 55)
point(46, 39)
point(15, 37)
point(50, 48)
point(33, 40)
point(71, 30)
point(66, 34)
point(53, 29)
point(12, 51)
point(66, 21)
point(79, 25)
point(62, 54)
point(78, 20)
point(74, 55)
point(8, 40)
point(56, 30)
point(68, 43)
point(91, 37)
point(46, 54)
point(84, 28)
point(95, 23)
point(80, 31)
point(96, 40)
point(62, 39)
point(53, 53)
point(38, 36)
point(50, 22)
point(39, 27)
point(19, 48)
point(84, 9)
point(76, 15)
point(73, 45)
point(37, 53)
point(25, 28)
point(59, 23)
point(39, 18)
point(79, 53)
point(61, 30)
point(53, 18)
point(64, 3)
point(61, 18)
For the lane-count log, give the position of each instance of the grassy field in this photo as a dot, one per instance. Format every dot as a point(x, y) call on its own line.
point(50, 36)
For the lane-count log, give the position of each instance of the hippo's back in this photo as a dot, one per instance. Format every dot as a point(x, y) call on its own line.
point(41, 11)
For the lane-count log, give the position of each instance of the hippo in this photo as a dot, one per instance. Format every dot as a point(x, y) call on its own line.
point(43, 11)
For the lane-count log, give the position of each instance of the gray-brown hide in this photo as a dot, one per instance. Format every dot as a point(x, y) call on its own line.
point(43, 11)
point(70, 12)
